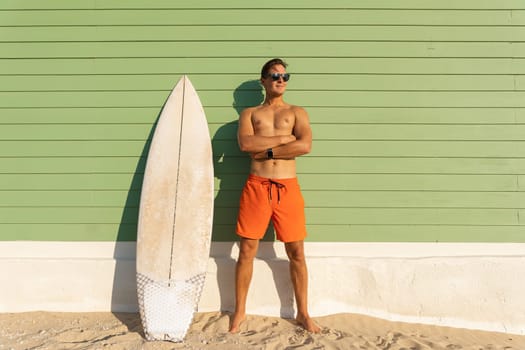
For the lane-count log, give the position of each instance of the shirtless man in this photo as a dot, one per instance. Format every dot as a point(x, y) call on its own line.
point(273, 133)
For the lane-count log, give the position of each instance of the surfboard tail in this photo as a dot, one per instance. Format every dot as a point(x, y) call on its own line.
point(167, 308)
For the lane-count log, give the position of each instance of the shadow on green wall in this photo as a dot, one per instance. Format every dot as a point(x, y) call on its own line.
point(124, 293)
point(231, 168)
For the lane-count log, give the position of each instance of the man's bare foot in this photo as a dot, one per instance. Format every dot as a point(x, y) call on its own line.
point(308, 324)
point(235, 322)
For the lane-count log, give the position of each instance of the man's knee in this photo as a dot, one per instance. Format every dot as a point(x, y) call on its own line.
point(295, 251)
point(248, 250)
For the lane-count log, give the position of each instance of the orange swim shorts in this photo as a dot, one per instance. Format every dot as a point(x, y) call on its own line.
point(278, 199)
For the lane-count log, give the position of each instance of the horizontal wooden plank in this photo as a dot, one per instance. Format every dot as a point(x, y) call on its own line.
point(395, 216)
point(423, 182)
point(85, 198)
point(427, 132)
point(419, 132)
point(463, 149)
point(400, 165)
point(422, 199)
point(228, 198)
point(70, 198)
point(87, 187)
point(109, 99)
point(68, 215)
point(68, 232)
point(318, 216)
point(60, 115)
point(489, 149)
point(103, 165)
point(395, 233)
point(140, 82)
point(244, 82)
point(319, 182)
point(229, 169)
point(224, 119)
point(321, 132)
point(415, 115)
point(325, 48)
point(75, 132)
point(220, 65)
point(411, 216)
point(71, 181)
point(316, 16)
point(83, 99)
point(143, 4)
point(399, 99)
point(372, 131)
point(253, 33)
point(415, 233)
point(432, 149)
point(72, 148)
point(314, 199)
point(393, 199)
point(316, 233)
point(235, 4)
point(327, 181)
point(220, 118)
point(72, 165)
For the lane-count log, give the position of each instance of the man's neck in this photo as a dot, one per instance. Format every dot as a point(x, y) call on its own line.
point(274, 101)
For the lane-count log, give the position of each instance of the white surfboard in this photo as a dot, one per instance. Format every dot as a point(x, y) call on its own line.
point(175, 217)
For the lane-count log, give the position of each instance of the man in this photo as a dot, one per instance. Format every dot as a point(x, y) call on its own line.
point(273, 133)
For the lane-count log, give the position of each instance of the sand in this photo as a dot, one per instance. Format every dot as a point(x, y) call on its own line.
point(45, 330)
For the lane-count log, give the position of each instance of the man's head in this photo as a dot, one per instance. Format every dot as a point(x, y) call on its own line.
point(268, 65)
point(274, 77)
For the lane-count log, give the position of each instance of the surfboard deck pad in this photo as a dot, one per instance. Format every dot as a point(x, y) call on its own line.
point(168, 307)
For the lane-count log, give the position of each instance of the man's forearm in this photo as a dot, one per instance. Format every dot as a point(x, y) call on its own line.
point(256, 143)
point(288, 151)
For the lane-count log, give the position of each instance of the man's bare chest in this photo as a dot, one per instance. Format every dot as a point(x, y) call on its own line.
point(281, 122)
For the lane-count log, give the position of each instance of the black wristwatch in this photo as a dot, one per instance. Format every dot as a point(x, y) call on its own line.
point(269, 153)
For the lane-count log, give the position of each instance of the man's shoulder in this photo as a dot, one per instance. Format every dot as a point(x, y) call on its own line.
point(247, 111)
point(298, 110)
point(253, 109)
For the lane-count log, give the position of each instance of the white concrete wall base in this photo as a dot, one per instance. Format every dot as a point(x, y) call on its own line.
point(478, 286)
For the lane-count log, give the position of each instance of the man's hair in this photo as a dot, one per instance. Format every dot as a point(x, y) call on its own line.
point(270, 64)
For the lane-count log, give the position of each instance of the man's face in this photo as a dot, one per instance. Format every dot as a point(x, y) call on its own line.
point(275, 87)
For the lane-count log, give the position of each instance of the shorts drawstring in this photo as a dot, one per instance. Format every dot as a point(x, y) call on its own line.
point(279, 186)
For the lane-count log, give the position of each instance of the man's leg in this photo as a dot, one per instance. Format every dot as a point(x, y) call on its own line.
point(243, 277)
point(299, 275)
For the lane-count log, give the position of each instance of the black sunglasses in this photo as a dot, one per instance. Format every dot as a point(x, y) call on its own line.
point(276, 76)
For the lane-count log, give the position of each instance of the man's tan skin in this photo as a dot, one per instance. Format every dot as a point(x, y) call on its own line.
point(286, 129)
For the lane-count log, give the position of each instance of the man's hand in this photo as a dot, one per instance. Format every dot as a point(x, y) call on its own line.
point(288, 139)
point(285, 139)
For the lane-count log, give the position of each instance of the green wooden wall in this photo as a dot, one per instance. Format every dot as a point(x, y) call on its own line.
point(417, 109)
